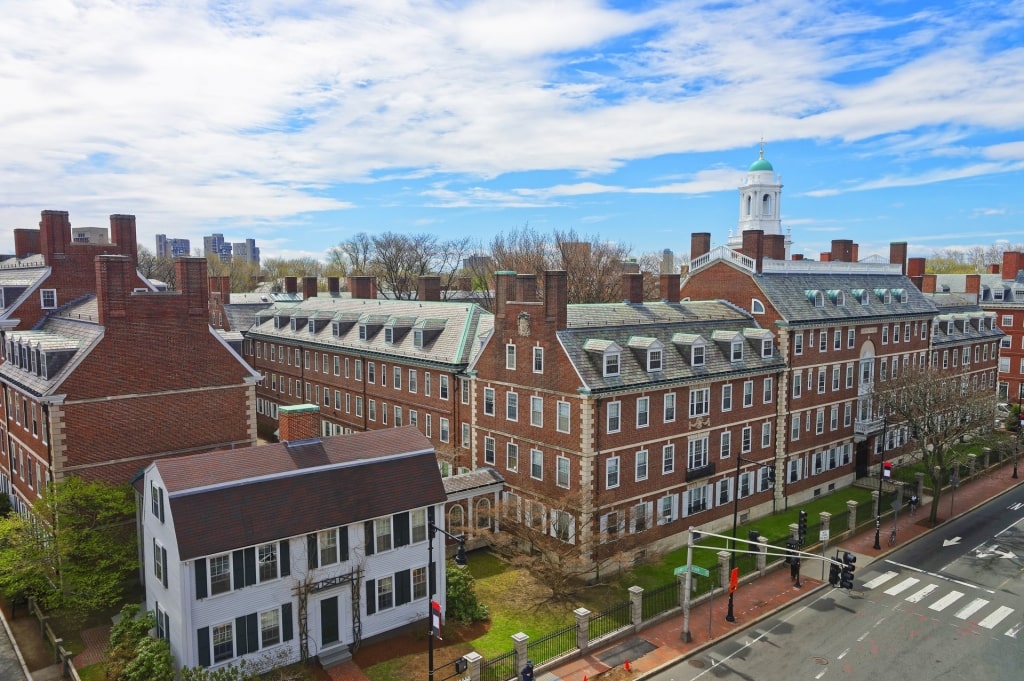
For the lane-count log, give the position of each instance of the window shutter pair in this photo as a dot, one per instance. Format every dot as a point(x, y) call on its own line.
point(247, 634)
point(244, 564)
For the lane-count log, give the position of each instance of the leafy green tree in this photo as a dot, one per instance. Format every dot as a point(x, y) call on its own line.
point(462, 600)
point(74, 551)
point(132, 655)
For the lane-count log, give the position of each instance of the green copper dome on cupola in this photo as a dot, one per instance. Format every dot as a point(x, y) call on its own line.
point(761, 163)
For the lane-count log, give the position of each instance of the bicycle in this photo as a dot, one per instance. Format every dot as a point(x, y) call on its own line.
point(892, 537)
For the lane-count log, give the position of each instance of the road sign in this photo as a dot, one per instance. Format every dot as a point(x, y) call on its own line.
point(695, 569)
point(823, 535)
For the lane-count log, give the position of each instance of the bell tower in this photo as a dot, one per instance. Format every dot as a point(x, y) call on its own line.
point(760, 202)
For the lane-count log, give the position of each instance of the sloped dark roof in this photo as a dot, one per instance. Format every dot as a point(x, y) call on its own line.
point(242, 315)
point(236, 498)
point(788, 291)
point(474, 479)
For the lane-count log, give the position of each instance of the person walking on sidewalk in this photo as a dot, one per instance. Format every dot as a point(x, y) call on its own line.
point(527, 672)
point(794, 570)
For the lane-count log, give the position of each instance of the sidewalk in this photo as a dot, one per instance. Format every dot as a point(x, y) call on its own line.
point(660, 645)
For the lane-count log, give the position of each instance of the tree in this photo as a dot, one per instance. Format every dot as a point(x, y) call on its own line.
point(74, 551)
point(971, 260)
point(156, 267)
point(461, 598)
point(937, 410)
point(132, 655)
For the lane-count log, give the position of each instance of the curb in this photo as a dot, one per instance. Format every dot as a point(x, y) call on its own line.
point(14, 645)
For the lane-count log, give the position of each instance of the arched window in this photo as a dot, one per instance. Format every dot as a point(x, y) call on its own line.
point(750, 202)
point(456, 518)
point(483, 514)
point(766, 205)
point(756, 306)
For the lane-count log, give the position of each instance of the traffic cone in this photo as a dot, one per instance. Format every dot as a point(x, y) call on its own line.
point(627, 665)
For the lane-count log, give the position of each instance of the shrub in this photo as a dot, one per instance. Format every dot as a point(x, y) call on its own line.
point(463, 604)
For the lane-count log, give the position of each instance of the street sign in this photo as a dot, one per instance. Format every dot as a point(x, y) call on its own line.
point(695, 569)
point(681, 570)
point(823, 535)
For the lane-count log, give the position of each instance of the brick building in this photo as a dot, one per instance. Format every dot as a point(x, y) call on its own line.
point(101, 374)
point(371, 363)
point(616, 426)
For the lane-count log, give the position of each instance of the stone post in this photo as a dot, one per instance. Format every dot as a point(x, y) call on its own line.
point(986, 457)
point(723, 567)
point(582, 629)
point(851, 508)
point(762, 555)
point(794, 531)
point(826, 518)
point(519, 641)
point(972, 461)
point(473, 659)
point(636, 606)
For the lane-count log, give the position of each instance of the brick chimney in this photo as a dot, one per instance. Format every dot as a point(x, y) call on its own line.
point(775, 246)
point(1013, 262)
point(309, 287)
point(114, 277)
point(972, 284)
point(26, 242)
point(898, 255)
point(669, 284)
point(190, 274)
point(842, 250)
point(992, 269)
point(633, 287)
point(504, 291)
point(797, 256)
point(122, 233)
point(54, 233)
point(556, 298)
point(753, 246)
point(915, 267)
point(291, 285)
point(363, 286)
point(825, 257)
point(428, 287)
point(700, 244)
point(299, 422)
point(333, 286)
point(465, 283)
point(928, 283)
point(526, 288)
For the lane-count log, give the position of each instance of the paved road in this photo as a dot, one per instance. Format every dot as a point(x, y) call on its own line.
point(10, 665)
point(949, 606)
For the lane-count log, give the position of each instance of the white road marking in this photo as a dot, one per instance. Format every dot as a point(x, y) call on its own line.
point(1016, 507)
point(971, 608)
point(902, 586)
point(1012, 631)
point(919, 595)
point(880, 579)
point(842, 654)
point(996, 617)
point(937, 575)
point(945, 601)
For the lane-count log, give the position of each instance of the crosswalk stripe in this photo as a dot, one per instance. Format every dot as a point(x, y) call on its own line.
point(971, 608)
point(1012, 631)
point(919, 595)
point(996, 617)
point(946, 601)
point(880, 579)
point(902, 586)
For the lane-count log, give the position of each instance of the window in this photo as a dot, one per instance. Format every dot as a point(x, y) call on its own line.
point(419, 583)
point(896, 333)
point(442, 390)
point(794, 428)
point(359, 370)
point(270, 627)
point(512, 406)
point(654, 360)
point(724, 491)
point(266, 555)
point(727, 397)
point(643, 415)
point(156, 496)
point(641, 516)
point(385, 592)
point(768, 392)
point(798, 343)
point(562, 471)
point(885, 334)
point(412, 381)
point(745, 435)
point(798, 380)
point(667, 509)
point(538, 360)
point(668, 459)
point(220, 574)
point(851, 337)
point(611, 472)
point(835, 378)
point(48, 298)
point(611, 364)
point(223, 642)
point(766, 435)
point(512, 457)
point(372, 410)
point(725, 445)
point(426, 383)
point(614, 418)
point(819, 422)
point(822, 341)
point(736, 351)
point(396, 378)
point(159, 563)
point(697, 355)
point(510, 356)
point(443, 435)
point(849, 375)
point(536, 464)
point(697, 500)
point(748, 393)
point(371, 372)
point(359, 406)
point(537, 411)
point(837, 339)
point(767, 347)
point(562, 417)
point(821, 380)
point(697, 455)
point(382, 534)
point(669, 413)
point(700, 401)
point(489, 401)
point(1006, 321)
point(641, 465)
point(327, 546)
point(489, 450)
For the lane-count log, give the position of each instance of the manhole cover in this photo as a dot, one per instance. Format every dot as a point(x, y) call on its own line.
point(820, 660)
point(699, 664)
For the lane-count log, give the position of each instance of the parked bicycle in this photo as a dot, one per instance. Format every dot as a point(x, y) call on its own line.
point(892, 537)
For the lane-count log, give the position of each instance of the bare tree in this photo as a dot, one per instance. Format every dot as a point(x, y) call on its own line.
point(156, 268)
point(353, 254)
point(937, 410)
point(970, 260)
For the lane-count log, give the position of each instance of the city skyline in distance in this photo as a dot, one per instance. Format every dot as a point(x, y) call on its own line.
point(300, 126)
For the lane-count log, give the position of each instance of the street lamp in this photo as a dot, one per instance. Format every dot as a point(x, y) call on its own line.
point(1020, 424)
point(881, 471)
point(460, 560)
point(729, 617)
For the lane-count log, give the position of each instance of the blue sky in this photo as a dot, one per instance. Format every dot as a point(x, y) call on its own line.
point(300, 123)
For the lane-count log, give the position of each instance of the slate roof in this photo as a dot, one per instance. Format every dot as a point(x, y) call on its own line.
point(1012, 290)
point(454, 327)
point(474, 479)
point(667, 323)
point(16, 278)
point(242, 316)
point(968, 326)
point(236, 498)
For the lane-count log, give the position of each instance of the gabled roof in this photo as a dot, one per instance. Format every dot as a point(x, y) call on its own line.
point(230, 499)
point(787, 293)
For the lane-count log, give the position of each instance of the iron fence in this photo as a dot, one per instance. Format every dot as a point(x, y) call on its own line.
point(501, 668)
point(662, 599)
point(612, 619)
point(553, 645)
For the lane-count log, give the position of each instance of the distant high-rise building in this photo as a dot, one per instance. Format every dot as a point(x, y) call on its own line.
point(247, 251)
point(668, 262)
point(171, 248)
point(215, 244)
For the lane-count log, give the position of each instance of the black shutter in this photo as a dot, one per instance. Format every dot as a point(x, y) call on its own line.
point(403, 587)
point(200, 577)
point(160, 491)
point(343, 542)
point(285, 559)
point(249, 556)
point(163, 557)
point(286, 622)
point(400, 522)
point(203, 639)
point(368, 537)
point(238, 564)
point(241, 639)
point(311, 551)
point(371, 596)
point(253, 632)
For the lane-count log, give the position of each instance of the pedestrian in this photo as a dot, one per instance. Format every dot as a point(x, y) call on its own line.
point(527, 672)
point(794, 569)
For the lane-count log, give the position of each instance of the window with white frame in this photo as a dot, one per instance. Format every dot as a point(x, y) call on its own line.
point(562, 417)
point(669, 408)
point(725, 445)
point(767, 347)
point(442, 387)
point(510, 356)
point(819, 422)
point(697, 452)
point(443, 428)
point(536, 464)
point(794, 428)
point(726, 397)
point(821, 380)
point(697, 355)
point(724, 491)
point(823, 341)
point(798, 381)
point(745, 485)
point(696, 499)
point(885, 334)
point(745, 437)
point(641, 465)
point(537, 411)
point(266, 557)
point(538, 359)
point(643, 412)
point(768, 394)
point(736, 350)
point(668, 459)
point(667, 509)
point(512, 406)
point(833, 420)
point(640, 516)
point(654, 357)
point(489, 450)
point(849, 375)
point(512, 457)
point(798, 343)
point(614, 417)
point(159, 566)
point(223, 642)
point(488, 401)
point(220, 574)
point(562, 471)
point(611, 472)
point(851, 337)
point(835, 378)
point(382, 534)
point(766, 434)
point(611, 363)
point(748, 393)
point(48, 298)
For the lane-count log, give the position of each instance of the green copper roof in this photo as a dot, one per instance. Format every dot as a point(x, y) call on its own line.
point(760, 164)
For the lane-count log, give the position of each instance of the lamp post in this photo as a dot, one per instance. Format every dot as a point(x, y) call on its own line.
point(1020, 424)
point(460, 560)
point(730, 617)
point(881, 468)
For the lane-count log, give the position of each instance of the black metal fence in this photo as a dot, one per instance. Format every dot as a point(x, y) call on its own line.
point(501, 668)
point(610, 620)
point(553, 645)
point(662, 599)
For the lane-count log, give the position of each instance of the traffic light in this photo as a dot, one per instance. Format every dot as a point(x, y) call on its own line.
point(802, 527)
point(833, 574)
point(846, 574)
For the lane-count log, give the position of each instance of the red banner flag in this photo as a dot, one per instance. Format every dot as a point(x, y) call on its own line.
point(435, 619)
point(734, 579)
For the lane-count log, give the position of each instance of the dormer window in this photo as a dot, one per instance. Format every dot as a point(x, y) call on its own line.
point(950, 325)
point(294, 324)
point(837, 297)
point(767, 347)
point(816, 297)
point(48, 298)
point(611, 363)
point(654, 357)
point(736, 351)
point(364, 332)
point(884, 295)
point(311, 326)
point(900, 295)
point(335, 329)
point(860, 295)
point(697, 355)
point(389, 335)
point(417, 339)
